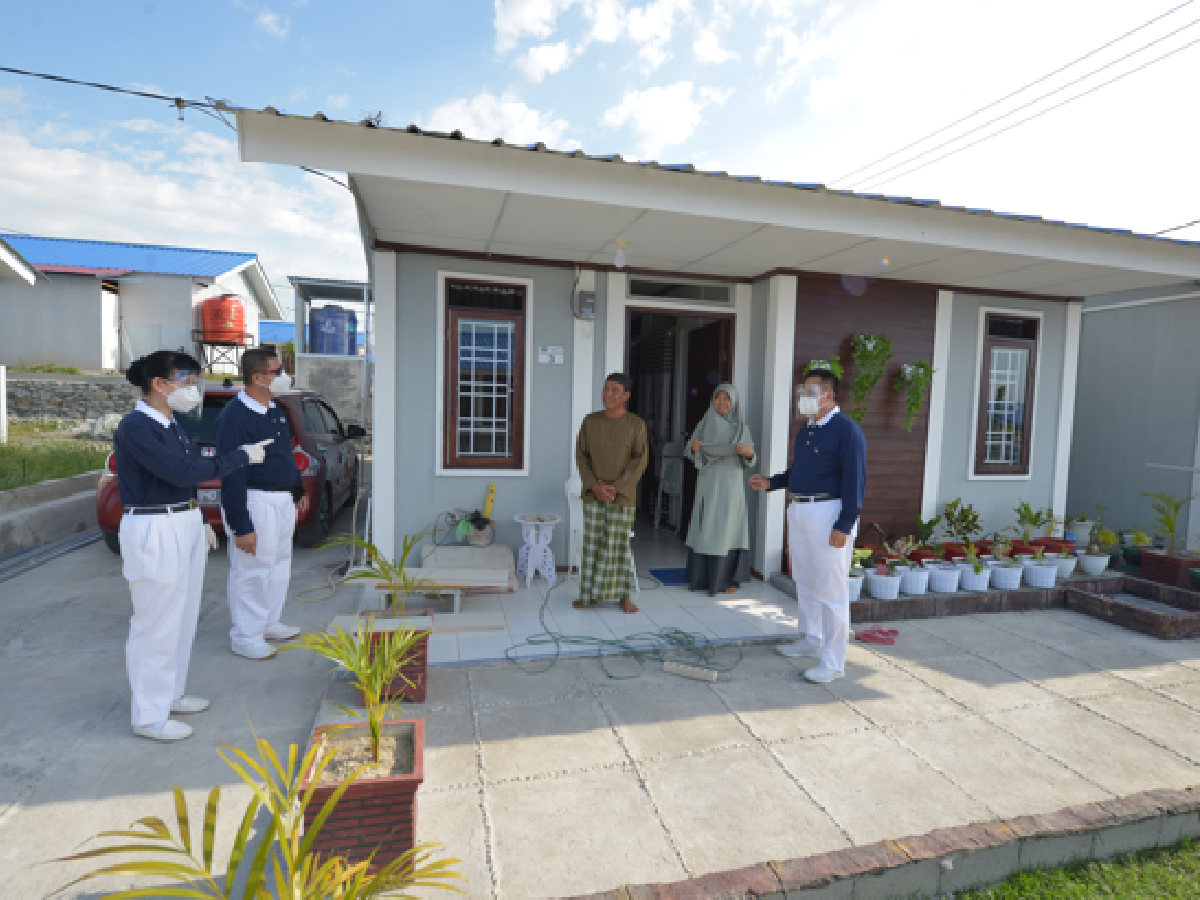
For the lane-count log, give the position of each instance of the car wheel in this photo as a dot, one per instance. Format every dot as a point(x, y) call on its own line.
point(113, 541)
point(319, 530)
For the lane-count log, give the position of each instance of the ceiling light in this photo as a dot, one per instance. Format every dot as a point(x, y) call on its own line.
point(619, 259)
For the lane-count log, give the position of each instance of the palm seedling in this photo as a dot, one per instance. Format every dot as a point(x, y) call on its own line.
point(1167, 508)
point(400, 585)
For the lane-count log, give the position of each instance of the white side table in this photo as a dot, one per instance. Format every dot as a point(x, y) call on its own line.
point(537, 530)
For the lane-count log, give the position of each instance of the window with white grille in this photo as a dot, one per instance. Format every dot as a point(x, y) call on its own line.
point(1006, 404)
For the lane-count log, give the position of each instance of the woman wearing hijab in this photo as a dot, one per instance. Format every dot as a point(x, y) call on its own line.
point(719, 534)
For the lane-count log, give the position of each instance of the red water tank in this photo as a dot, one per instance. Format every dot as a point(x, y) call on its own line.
point(223, 320)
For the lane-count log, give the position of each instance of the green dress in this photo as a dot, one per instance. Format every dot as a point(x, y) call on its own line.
point(718, 537)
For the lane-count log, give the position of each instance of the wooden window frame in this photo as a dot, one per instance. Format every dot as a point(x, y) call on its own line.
point(516, 459)
point(982, 467)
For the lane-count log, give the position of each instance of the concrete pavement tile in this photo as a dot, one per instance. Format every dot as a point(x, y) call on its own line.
point(913, 643)
point(505, 684)
point(1163, 721)
point(876, 789)
point(1186, 653)
point(1042, 627)
point(673, 617)
point(674, 721)
point(454, 819)
point(1133, 663)
point(443, 648)
point(483, 646)
point(737, 628)
point(1101, 751)
point(757, 662)
point(977, 683)
point(736, 808)
point(996, 769)
point(1057, 672)
point(544, 738)
point(893, 698)
point(974, 634)
point(1098, 627)
point(450, 749)
point(587, 832)
point(777, 709)
point(39, 726)
point(628, 675)
point(1187, 694)
point(445, 688)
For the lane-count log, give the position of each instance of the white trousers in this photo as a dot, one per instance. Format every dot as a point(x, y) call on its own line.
point(821, 573)
point(258, 582)
point(164, 559)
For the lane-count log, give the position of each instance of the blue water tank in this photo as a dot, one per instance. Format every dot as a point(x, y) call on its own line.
point(333, 330)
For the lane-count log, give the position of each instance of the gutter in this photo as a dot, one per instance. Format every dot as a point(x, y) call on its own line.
point(1149, 301)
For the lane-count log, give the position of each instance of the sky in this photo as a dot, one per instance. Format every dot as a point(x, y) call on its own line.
point(799, 90)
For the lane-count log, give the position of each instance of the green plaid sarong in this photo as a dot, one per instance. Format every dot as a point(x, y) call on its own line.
point(604, 572)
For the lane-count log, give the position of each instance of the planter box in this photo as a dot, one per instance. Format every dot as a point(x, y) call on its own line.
point(1169, 570)
point(411, 687)
point(377, 814)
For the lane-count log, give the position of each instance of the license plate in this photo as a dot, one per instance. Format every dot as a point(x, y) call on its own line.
point(211, 497)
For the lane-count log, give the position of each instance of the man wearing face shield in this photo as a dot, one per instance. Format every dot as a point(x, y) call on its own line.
point(164, 539)
point(827, 479)
point(259, 509)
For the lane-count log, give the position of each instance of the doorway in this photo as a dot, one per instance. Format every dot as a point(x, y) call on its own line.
point(675, 361)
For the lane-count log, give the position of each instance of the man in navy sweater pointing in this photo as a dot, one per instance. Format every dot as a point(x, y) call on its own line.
point(826, 481)
point(259, 511)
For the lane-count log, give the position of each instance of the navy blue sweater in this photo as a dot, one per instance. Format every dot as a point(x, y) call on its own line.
point(830, 459)
point(239, 424)
point(157, 464)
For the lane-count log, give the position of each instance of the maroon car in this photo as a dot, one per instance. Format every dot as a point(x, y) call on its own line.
point(328, 465)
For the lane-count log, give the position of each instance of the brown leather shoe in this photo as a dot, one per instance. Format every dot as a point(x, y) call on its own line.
point(627, 606)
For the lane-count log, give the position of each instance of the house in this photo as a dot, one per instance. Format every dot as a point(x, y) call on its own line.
point(510, 279)
point(100, 304)
point(1137, 413)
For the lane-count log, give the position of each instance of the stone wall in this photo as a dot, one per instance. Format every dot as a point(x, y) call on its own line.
point(76, 398)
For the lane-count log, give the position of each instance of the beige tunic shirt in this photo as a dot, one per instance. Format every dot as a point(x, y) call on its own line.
point(614, 451)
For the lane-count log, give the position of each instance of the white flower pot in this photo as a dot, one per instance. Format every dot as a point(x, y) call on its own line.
point(944, 579)
point(970, 581)
point(1093, 565)
point(1082, 531)
point(1007, 578)
point(1066, 565)
point(931, 563)
point(1024, 557)
point(1041, 575)
point(883, 587)
point(915, 581)
point(856, 586)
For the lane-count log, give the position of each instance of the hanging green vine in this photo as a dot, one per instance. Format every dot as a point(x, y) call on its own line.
point(914, 380)
point(871, 355)
point(832, 363)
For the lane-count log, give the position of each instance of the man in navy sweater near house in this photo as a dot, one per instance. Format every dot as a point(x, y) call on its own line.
point(826, 481)
point(259, 511)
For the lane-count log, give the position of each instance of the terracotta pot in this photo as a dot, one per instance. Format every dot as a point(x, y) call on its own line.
point(1019, 547)
point(920, 555)
point(376, 814)
point(1170, 570)
point(982, 547)
point(954, 549)
point(1044, 541)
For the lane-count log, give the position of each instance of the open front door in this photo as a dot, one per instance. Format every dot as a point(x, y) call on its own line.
point(709, 362)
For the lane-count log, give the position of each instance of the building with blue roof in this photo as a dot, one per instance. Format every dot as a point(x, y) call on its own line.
point(96, 305)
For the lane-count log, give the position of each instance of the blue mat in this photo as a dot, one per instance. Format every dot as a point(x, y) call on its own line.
point(670, 577)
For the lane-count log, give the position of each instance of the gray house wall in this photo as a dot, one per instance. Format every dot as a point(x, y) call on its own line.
point(995, 500)
point(752, 391)
point(55, 321)
point(422, 495)
point(1138, 402)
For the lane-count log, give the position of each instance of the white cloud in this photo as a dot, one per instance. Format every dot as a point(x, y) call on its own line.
point(486, 116)
point(546, 59)
point(708, 49)
point(607, 18)
point(338, 101)
point(273, 23)
point(663, 117)
point(651, 27)
point(517, 18)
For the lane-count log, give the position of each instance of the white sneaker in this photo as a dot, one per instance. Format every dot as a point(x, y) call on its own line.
point(171, 731)
point(261, 650)
point(822, 675)
point(185, 705)
point(795, 649)
point(281, 632)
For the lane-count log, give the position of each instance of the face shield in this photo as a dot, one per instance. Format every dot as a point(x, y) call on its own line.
point(808, 399)
point(186, 398)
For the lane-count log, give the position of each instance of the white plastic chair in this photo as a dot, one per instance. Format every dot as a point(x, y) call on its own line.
point(670, 482)
point(575, 544)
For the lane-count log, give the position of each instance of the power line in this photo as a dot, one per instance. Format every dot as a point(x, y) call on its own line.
point(211, 107)
point(1177, 228)
point(1019, 90)
point(1037, 115)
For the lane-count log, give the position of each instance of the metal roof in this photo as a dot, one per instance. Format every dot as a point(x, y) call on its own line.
point(690, 169)
point(109, 256)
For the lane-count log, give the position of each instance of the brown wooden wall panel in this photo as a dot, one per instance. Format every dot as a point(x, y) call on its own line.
point(827, 318)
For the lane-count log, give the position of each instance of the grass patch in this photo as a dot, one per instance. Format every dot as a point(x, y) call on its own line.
point(1161, 873)
point(19, 428)
point(25, 464)
point(48, 368)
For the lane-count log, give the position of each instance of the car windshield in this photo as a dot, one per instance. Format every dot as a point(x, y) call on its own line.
point(203, 431)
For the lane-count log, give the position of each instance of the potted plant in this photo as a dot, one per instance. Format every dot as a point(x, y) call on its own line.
point(1078, 528)
point(1170, 567)
point(1092, 561)
point(1041, 572)
point(870, 356)
point(944, 578)
point(288, 861)
point(913, 580)
point(1137, 540)
point(1006, 574)
point(914, 380)
point(884, 582)
point(1001, 548)
point(857, 572)
point(961, 522)
point(1028, 519)
point(389, 751)
point(1110, 543)
point(974, 574)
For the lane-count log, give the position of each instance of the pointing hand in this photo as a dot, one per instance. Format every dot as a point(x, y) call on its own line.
point(257, 452)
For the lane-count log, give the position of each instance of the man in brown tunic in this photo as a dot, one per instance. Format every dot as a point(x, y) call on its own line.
point(611, 453)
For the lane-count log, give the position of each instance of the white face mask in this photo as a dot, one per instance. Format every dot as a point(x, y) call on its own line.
point(280, 383)
point(807, 406)
point(184, 399)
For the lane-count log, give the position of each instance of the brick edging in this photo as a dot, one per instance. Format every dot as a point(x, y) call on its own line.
point(951, 859)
